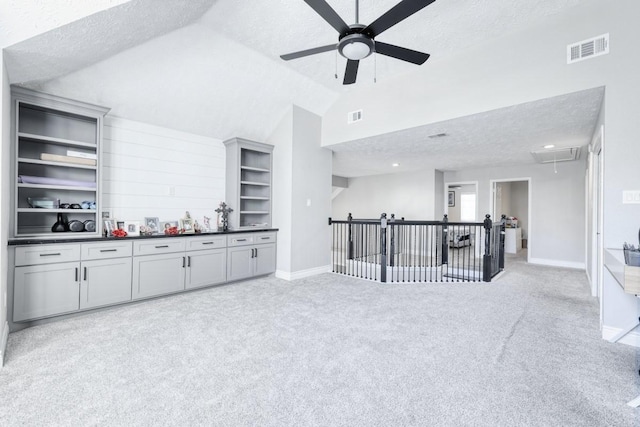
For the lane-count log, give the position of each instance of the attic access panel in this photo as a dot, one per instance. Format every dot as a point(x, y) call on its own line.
point(558, 155)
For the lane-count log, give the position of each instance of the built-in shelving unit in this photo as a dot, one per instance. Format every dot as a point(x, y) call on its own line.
point(57, 163)
point(249, 167)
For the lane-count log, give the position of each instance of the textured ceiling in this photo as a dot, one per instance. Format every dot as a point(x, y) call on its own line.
point(503, 137)
point(446, 27)
point(212, 67)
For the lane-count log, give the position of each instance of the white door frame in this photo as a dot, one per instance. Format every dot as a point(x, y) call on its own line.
point(492, 188)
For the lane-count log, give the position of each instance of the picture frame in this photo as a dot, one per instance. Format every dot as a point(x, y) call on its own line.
point(120, 225)
point(165, 225)
point(452, 198)
point(132, 228)
point(152, 224)
point(186, 224)
point(109, 226)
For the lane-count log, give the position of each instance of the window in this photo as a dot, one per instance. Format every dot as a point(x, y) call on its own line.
point(468, 207)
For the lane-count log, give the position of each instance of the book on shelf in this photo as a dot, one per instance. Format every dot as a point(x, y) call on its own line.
point(72, 153)
point(67, 159)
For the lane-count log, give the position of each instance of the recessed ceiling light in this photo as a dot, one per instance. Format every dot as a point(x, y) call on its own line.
point(549, 146)
point(395, 165)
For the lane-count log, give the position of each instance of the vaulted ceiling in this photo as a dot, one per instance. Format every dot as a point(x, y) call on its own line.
point(212, 67)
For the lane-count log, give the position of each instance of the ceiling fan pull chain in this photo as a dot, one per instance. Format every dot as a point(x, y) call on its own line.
point(375, 67)
point(336, 71)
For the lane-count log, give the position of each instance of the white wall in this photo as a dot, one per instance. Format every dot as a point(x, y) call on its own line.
point(282, 140)
point(410, 195)
point(520, 205)
point(311, 195)
point(150, 171)
point(5, 180)
point(557, 224)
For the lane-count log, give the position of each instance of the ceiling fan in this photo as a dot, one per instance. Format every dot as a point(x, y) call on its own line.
point(356, 41)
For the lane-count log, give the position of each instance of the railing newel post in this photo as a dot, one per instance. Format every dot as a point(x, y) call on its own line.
point(503, 223)
point(445, 239)
point(350, 238)
point(383, 248)
point(486, 273)
point(392, 241)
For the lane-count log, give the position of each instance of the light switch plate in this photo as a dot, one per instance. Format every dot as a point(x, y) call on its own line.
point(630, 196)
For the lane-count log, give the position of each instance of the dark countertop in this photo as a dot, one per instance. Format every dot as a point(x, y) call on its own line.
point(65, 239)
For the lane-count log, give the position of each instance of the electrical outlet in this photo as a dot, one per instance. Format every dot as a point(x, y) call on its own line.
point(171, 191)
point(630, 196)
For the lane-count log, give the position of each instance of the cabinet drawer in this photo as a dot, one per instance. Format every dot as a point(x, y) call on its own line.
point(264, 238)
point(206, 242)
point(100, 250)
point(158, 246)
point(47, 254)
point(240, 239)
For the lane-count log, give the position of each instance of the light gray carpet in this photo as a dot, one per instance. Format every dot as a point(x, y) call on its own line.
point(331, 350)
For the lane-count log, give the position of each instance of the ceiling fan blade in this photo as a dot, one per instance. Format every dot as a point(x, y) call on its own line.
point(351, 72)
point(397, 13)
point(308, 52)
point(401, 53)
point(328, 14)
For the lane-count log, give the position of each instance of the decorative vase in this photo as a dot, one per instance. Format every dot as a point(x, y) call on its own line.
point(60, 225)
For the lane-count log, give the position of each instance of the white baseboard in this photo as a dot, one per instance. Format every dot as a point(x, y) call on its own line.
point(632, 338)
point(556, 263)
point(4, 337)
point(302, 273)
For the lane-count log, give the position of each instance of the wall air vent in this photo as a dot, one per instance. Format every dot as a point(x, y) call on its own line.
point(354, 116)
point(587, 49)
point(557, 155)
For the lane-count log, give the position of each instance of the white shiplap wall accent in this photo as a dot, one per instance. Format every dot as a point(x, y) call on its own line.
point(151, 171)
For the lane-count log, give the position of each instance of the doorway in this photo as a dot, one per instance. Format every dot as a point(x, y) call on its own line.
point(461, 201)
point(512, 198)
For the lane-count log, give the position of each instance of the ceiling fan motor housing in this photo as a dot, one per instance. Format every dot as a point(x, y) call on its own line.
point(355, 45)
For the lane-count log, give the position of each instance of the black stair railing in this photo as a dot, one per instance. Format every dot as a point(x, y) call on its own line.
point(398, 250)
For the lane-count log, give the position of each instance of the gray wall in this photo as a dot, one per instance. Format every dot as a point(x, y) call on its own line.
point(410, 195)
point(5, 180)
point(557, 220)
point(302, 174)
point(520, 204)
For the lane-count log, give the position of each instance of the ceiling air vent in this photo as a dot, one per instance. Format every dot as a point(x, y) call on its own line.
point(354, 116)
point(586, 49)
point(557, 155)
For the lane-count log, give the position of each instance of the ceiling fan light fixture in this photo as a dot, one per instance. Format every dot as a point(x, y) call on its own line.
point(355, 47)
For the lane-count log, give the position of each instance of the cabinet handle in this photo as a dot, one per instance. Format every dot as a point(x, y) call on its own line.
point(256, 249)
point(207, 243)
point(183, 262)
point(241, 240)
point(162, 246)
point(76, 274)
point(85, 273)
point(108, 250)
point(188, 261)
point(56, 254)
point(265, 238)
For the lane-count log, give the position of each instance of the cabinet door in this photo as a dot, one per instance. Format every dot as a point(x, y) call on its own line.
point(239, 263)
point(105, 282)
point(45, 290)
point(157, 274)
point(265, 259)
point(206, 268)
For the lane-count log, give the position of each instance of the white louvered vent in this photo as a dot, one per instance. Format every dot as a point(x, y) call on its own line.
point(587, 49)
point(354, 116)
point(557, 155)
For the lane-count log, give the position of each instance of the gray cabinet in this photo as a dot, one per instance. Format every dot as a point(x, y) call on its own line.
point(56, 147)
point(251, 254)
point(206, 268)
point(45, 290)
point(248, 183)
point(51, 280)
point(105, 282)
point(158, 267)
